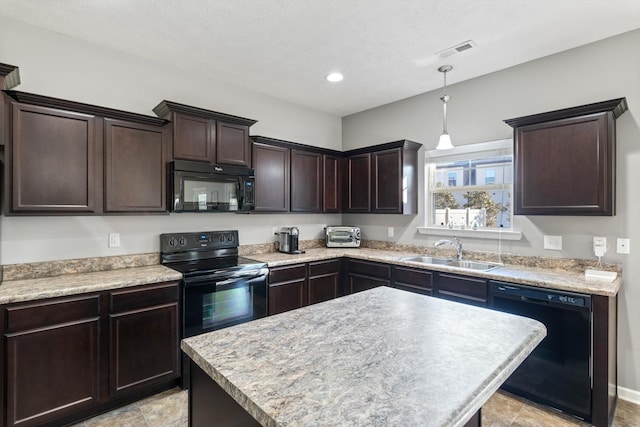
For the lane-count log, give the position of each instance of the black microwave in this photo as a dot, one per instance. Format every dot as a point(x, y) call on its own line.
point(204, 187)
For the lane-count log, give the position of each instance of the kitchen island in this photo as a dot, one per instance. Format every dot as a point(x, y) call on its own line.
point(380, 357)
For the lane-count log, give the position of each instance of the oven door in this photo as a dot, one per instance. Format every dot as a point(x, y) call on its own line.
point(216, 303)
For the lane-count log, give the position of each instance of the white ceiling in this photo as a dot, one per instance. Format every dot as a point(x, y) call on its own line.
point(284, 48)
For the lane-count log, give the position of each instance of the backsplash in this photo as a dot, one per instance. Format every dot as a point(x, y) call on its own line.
point(87, 265)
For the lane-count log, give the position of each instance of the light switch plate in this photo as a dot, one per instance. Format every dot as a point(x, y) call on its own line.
point(553, 243)
point(390, 231)
point(623, 246)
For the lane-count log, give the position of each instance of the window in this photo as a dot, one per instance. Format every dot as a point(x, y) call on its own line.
point(452, 179)
point(470, 187)
point(490, 176)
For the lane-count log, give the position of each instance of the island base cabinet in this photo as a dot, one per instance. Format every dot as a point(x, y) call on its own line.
point(52, 356)
point(208, 402)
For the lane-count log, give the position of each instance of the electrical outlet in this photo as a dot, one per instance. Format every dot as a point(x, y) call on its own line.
point(623, 246)
point(114, 240)
point(599, 246)
point(390, 231)
point(553, 243)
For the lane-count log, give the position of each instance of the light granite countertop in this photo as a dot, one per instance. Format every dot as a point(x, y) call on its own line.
point(558, 279)
point(382, 357)
point(80, 283)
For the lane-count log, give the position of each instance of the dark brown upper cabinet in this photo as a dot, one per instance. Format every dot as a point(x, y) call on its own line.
point(306, 181)
point(332, 183)
point(68, 158)
point(53, 161)
point(358, 173)
point(383, 178)
point(271, 165)
point(207, 136)
point(135, 173)
point(295, 177)
point(564, 160)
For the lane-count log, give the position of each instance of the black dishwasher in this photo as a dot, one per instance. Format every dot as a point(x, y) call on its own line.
point(558, 372)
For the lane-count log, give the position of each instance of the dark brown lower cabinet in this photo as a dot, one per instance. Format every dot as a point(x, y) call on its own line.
point(69, 358)
point(287, 288)
point(144, 337)
point(413, 279)
point(299, 285)
point(52, 359)
point(469, 290)
point(363, 275)
point(324, 280)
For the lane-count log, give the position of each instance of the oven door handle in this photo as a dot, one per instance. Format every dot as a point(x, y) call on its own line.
point(227, 282)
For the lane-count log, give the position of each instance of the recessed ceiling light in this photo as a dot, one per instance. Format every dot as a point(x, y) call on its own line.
point(334, 77)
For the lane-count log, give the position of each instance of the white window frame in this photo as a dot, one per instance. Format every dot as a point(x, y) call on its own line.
point(464, 152)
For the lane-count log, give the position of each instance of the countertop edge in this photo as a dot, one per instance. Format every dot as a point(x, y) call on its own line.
point(547, 278)
point(83, 283)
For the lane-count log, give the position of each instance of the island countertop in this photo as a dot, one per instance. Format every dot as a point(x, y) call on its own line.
point(377, 358)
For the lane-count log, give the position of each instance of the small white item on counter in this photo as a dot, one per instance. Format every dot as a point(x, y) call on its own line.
point(603, 276)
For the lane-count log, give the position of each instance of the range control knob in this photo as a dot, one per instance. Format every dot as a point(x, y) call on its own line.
point(172, 242)
point(183, 241)
point(222, 238)
point(229, 237)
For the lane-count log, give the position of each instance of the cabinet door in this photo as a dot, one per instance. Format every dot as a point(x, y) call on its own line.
point(306, 181)
point(565, 167)
point(413, 280)
point(271, 166)
point(193, 138)
point(232, 144)
point(287, 288)
point(469, 290)
point(324, 280)
point(386, 181)
point(52, 360)
point(144, 337)
point(135, 174)
point(54, 158)
point(363, 275)
point(332, 187)
point(358, 170)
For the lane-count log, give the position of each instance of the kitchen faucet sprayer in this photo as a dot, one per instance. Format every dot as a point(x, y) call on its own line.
point(454, 242)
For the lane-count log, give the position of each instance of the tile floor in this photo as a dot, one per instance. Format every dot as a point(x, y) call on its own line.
point(169, 409)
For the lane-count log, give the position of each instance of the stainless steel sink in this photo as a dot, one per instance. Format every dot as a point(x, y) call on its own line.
point(427, 259)
point(473, 265)
point(462, 264)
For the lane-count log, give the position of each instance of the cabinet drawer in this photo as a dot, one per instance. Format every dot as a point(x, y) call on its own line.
point(130, 299)
point(462, 286)
point(413, 276)
point(373, 269)
point(39, 314)
point(287, 273)
point(320, 268)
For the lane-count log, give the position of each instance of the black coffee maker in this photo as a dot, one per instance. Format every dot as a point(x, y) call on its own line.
point(288, 240)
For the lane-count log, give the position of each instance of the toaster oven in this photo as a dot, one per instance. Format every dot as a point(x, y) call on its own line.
point(342, 237)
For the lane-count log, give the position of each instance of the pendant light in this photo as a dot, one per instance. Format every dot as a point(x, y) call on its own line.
point(445, 140)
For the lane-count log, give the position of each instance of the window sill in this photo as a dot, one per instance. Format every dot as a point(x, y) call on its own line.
point(478, 234)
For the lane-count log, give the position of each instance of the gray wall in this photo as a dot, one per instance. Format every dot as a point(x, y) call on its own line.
point(600, 71)
point(59, 66)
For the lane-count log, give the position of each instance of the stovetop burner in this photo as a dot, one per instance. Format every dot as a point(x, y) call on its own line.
point(205, 253)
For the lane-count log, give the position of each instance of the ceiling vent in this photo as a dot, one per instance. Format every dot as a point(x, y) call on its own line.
point(456, 49)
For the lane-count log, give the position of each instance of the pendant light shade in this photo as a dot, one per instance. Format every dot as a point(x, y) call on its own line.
point(445, 140)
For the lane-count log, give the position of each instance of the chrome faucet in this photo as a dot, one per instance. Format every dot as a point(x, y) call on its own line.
point(455, 243)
